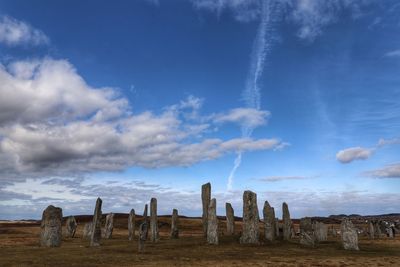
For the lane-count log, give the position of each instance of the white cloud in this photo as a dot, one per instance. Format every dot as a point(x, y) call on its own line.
point(389, 171)
point(14, 32)
point(384, 142)
point(48, 90)
point(243, 10)
point(52, 121)
point(245, 117)
point(283, 178)
point(309, 16)
point(354, 153)
point(359, 153)
point(395, 53)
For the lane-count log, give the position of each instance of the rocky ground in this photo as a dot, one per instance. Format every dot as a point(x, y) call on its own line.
point(19, 247)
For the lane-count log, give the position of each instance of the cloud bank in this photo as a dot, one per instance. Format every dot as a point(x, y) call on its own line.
point(53, 122)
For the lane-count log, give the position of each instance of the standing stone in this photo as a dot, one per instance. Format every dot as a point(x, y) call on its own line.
point(109, 227)
point(378, 232)
point(174, 224)
point(154, 234)
point(145, 220)
point(95, 236)
point(71, 226)
point(230, 219)
point(333, 231)
point(287, 223)
point(306, 225)
point(142, 235)
point(212, 227)
point(205, 199)
point(269, 222)
point(50, 227)
point(131, 225)
point(349, 235)
point(307, 239)
point(320, 231)
point(371, 230)
point(250, 218)
point(87, 230)
point(389, 232)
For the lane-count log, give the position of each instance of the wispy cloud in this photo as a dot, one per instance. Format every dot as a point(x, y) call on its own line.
point(389, 171)
point(394, 53)
point(283, 178)
point(310, 17)
point(14, 32)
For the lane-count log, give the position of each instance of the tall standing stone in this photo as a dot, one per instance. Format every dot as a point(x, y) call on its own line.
point(87, 230)
point(250, 218)
point(145, 220)
point(287, 223)
point(71, 226)
point(230, 219)
point(320, 231)
point(269, 222)
point(154, 234)
point(142, 235)
point(205, 199)
point(212, 227)
point(50, 227)
point(349, 235)
point(371, 230)
point(307, 237)
point(131, 225)
point(95, 237)
point(174, 224)
point(109, 227)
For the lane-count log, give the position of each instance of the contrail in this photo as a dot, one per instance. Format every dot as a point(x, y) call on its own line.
point(261, 48)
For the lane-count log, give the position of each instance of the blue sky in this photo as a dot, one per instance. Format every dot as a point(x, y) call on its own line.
point(139, 99)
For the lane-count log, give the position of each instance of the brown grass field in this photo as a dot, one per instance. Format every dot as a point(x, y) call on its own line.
point(19, 247)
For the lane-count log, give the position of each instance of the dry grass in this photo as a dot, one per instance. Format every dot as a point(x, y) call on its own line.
point(19, 247)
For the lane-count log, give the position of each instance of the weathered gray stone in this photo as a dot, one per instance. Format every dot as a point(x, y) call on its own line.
point(389, 232)
point(109, 227)
point(250, 219)
point(71, 226)
point(371, 230)
point(145, 220)
point(349, 235)
point(230, 219)
point(205, 199)
point(95, 236)
point(50, 227)
point(87, 230)
point(287, 222)
point(306, 225)
point(131, 225)
point(269, 222)
point(142, 235)
point(212, 227)
point(333, 231)
point(307, 239)
point(320, 231)
point(154, 233)
point(174, 234)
